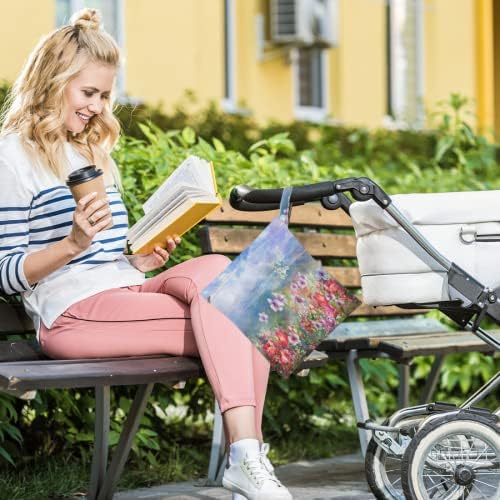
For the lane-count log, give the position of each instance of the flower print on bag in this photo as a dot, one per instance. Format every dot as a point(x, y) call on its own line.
point(277, 302)
point(280, 298)
point(263, 317)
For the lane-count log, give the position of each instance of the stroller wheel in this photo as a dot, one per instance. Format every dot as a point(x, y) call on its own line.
point(383, 473)
point(454, 457)
point(383, 470)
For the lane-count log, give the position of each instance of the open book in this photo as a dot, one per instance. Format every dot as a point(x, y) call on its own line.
point(184, 199)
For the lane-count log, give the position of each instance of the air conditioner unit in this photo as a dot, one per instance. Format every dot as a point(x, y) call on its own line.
point(304, 22)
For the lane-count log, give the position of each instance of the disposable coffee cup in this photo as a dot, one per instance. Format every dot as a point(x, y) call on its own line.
point(87, 180)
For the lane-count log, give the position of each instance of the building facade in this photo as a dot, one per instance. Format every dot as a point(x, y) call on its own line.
point(354, 62)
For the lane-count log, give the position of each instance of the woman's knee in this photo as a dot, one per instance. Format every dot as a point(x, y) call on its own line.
point(189, 278)
point(216, 262)
point(210, 266)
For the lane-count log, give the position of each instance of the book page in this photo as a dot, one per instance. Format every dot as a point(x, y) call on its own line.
point(175, 196)
point(193, 171)
point(176, 215)
point(178, 197)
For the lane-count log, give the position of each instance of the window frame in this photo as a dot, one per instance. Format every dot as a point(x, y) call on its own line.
point(311, 113)
point(229, 100)
point(397, 101)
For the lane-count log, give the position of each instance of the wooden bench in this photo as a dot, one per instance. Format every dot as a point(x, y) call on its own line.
point(24, 369)
point(387, 332)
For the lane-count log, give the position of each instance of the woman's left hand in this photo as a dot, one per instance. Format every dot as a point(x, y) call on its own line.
point(156, 259)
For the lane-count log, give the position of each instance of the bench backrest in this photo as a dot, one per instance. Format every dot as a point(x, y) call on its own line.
point(327, 235)
point(15, 321)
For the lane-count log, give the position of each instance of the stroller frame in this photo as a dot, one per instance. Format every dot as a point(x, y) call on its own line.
point(470, 301)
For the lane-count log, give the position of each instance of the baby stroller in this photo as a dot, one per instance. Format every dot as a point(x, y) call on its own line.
point(439, 450)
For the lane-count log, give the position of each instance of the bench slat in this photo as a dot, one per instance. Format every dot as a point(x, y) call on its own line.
point(444, 343)
point(235, 240)
point(13, 319)
point(314, 359)
point(349, 331)
point(312, 214)
point(20, 350)
point(348, 276)
point(63, 374)
point(401, 347)
point(369, 334)
point(367, 311)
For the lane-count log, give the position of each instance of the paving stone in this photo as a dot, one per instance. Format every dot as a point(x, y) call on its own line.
point(339, 478)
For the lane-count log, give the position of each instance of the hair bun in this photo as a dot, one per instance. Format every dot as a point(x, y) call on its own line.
point(88, 19)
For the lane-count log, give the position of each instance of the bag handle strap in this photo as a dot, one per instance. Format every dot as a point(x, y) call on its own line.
point(285, 207)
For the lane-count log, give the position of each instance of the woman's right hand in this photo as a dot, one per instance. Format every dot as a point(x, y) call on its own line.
point(89, 218)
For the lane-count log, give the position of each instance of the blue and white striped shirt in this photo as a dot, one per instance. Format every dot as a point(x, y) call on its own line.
point(36, 209)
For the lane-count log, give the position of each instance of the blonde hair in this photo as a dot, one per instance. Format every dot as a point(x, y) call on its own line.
point(35, 107)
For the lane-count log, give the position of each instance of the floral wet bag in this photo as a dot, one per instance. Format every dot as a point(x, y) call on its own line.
point(279, 296)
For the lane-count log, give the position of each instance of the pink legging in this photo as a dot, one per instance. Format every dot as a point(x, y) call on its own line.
point(166, 315)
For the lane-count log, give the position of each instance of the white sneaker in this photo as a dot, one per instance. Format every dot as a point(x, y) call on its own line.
point(264, 450)
point(252, 479)
point(237, 496)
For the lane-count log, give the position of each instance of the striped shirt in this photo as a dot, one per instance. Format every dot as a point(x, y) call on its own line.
point(36, 209)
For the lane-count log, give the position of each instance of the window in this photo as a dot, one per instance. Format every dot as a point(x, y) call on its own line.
point(310, 84)
point(229, 101)
point(112, 19)
point(405, 64)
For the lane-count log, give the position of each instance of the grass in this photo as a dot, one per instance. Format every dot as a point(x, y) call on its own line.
point(59, 478)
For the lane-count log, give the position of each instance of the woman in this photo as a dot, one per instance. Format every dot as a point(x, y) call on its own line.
point(87, 298)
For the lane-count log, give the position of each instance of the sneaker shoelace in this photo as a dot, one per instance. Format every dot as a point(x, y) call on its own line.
point(263, 456)
point(258, 471)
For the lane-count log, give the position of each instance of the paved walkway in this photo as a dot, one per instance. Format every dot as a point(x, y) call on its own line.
point(333, 478)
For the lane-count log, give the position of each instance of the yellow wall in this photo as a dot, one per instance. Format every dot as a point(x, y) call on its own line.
point(172, 46)
point(27, 22)
point(267, 87)
point(264, 87)
point(358, 66)
point(181, 46)
point(449, 50)
point(496, 62)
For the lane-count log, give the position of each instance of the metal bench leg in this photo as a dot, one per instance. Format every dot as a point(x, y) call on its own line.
point(404, 385)
point(101, 425)
point(125, 442)
point(217, 454)
point(358, 397)
point(432, 380)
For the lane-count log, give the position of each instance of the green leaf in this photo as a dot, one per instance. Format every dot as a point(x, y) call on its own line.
point(6, 456)
point(113, 438)
point(218, 145)
point(150, 135)
point(443, 146)
point(336, 380)
point(189, 135)
point(257, 145)
point(85, 437)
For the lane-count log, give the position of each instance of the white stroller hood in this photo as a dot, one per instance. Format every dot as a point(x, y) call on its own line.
point(396, 270)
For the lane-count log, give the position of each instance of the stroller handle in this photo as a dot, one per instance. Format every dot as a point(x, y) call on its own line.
point(248, 199)
point(331, 195)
